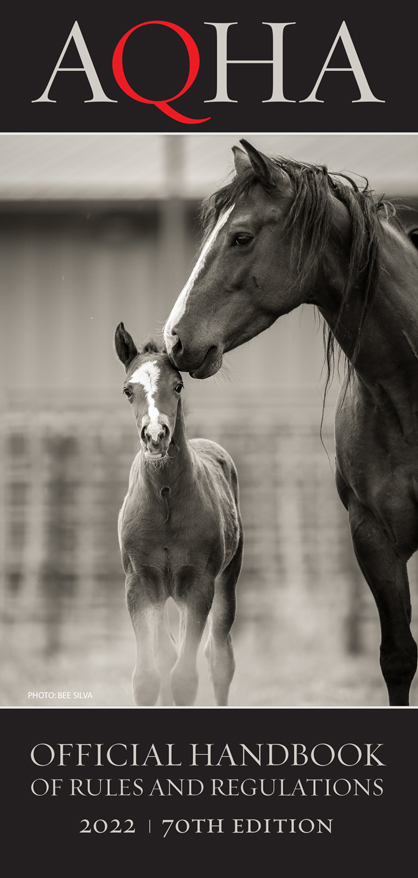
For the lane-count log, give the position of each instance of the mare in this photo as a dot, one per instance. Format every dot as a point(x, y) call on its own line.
point(283, 233)
point(180, 536)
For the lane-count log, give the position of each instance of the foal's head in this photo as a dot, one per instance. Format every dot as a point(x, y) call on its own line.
point(153, 387)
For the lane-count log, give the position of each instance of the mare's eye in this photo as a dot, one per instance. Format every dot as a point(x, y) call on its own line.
point(242, 240)
point(128, 392)
point(178, 388)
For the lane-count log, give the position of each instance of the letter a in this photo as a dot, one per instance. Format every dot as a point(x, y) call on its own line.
point(355, 67)
point(87, 68)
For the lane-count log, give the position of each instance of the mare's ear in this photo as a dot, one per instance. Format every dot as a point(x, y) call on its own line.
point(266, 172)
point(260, 164)
point(241, 160)
point(124, 345)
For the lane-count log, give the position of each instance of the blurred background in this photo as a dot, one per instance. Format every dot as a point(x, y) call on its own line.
point(103, 228)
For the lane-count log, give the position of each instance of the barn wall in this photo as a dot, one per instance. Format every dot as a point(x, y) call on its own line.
point(68, 277)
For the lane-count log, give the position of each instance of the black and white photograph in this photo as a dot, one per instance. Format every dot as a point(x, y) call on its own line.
point(111, 245)
point(208, 439)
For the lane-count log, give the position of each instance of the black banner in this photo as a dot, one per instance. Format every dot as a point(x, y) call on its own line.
point(288, 786)
point(216, 67)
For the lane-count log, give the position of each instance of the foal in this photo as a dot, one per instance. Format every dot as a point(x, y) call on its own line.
point(180, 535)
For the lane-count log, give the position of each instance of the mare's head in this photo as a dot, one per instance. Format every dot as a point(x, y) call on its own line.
point(270, 235)
point(230, 295)
point(152, 386)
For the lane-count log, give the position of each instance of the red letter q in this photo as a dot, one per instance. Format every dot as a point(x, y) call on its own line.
point(194, 62)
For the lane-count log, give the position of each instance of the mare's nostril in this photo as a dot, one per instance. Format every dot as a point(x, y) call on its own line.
point(176, 347)
point(144, 434)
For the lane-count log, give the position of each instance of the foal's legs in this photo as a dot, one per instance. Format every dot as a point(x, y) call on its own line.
point(145, 612)
point(194, 604)
point(387, 577)
point(218, 649)
point(166, 657)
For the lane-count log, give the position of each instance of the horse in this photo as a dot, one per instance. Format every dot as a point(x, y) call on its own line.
point(282, 233)
point(180, 535)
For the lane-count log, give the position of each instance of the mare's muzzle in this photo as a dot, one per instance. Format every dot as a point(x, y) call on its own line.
point(200, 362)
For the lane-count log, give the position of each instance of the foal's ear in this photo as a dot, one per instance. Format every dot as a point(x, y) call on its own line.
point(263, 168)
point(124, 345)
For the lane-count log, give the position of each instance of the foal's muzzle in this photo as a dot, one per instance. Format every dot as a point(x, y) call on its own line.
point(155, 440)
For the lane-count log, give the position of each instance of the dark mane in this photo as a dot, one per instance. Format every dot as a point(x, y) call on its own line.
point(311, 211)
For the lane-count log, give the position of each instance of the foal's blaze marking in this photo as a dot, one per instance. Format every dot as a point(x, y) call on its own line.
point(181, 304)
point(147, 375)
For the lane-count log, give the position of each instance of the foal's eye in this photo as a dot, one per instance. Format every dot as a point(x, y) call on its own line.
point(128, 393)
point(242, 240)
point(178, 388)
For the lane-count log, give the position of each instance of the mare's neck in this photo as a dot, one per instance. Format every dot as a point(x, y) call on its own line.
point(386, 352)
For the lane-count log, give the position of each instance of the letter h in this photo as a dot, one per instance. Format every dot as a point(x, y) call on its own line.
point(223, 61)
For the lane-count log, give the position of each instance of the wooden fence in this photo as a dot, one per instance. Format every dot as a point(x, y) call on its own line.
point(64, 476)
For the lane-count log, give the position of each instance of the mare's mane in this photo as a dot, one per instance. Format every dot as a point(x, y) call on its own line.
point(311, 211)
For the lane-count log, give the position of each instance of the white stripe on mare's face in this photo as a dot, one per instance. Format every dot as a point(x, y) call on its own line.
point(180, 305)
point(148, 375)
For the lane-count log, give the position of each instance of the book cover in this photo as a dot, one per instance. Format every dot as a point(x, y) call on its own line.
point(117, 126)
